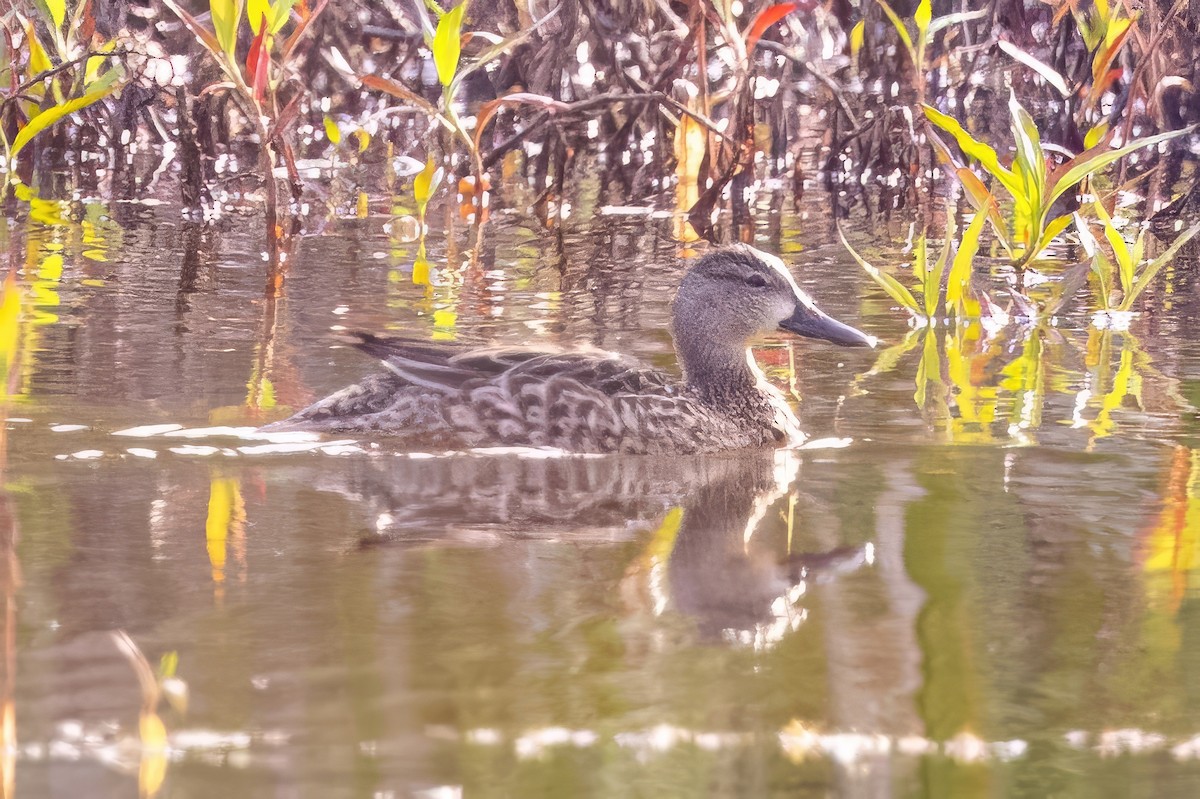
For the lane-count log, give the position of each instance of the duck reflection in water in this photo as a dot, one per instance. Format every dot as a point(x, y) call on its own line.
point(732, 587)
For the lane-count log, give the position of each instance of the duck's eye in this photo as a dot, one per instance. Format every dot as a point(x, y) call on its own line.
point(755, 280)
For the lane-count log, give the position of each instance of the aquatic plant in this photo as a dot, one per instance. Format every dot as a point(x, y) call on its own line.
point(44, 90)
point(264, 86)
point(1033, 186)
point(1134, 272)
point(955, 290)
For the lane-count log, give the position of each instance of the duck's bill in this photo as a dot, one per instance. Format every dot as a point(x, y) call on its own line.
point(811, 323)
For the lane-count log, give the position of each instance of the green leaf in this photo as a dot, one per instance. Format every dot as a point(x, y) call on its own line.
point(933, 277)
point(1051, 231)
point(447, 43)
point(976, 149)
point(985, 203)
point(920, 264)
point(928, 369)
point(225, 17)
point(894, 288)
point(1091, 161)
point(959, 282)
point(1120, 248)
point(1029, 153)
point(1100, 263)
point(55, 113)
point(1151, 271)
point(281, 12)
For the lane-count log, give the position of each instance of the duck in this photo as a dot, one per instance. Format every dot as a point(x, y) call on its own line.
point(591, 401)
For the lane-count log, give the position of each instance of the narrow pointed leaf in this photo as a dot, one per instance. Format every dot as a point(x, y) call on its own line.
point(764, 20)
point(933, 278)
point(857, 36)
point(225, 17)
point(257, 60)
point(256, 12)
point(1115, 34)
point(1120, 248)
point(922, 17)
point(1091, 161)
point(901, 29)
point(959, 282)
point(1151, 271)
point(56, 113)
point(200, 32)
point(974, 148)
point(894, 288)
point(1048, 72)
point(1094, 136)
point(447, 43)
point(1029, 152)
point(56, 11)
point(281, 11)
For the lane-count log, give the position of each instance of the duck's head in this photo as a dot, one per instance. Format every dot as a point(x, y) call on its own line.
point(736, 293)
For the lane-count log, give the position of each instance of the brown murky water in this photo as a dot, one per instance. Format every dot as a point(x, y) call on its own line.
point(983, 589)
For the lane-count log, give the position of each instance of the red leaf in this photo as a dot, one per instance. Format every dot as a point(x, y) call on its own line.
point(765, 19)
point(257, 60)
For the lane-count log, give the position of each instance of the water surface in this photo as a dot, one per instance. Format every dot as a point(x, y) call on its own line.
point(977, 582)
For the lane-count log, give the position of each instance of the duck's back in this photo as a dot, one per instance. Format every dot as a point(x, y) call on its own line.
point(579, 401)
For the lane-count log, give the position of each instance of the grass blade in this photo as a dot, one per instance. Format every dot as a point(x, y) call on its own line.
point(1151, 271)
point(894, 288)
point(958, 284)
point(1048, 72)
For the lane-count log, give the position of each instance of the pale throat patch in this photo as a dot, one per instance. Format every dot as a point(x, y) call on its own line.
point(785, 420)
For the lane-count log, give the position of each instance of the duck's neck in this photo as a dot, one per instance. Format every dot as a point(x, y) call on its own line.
point(720, 374)
point(728, 380)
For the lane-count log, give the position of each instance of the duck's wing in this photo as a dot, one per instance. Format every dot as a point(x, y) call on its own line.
point(451, 369)
point(438, 368)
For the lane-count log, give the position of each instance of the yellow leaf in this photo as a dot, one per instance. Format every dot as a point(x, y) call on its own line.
point(922, 17)
point(225, 22)
point(55, 113)
point(256, 12)
point(425, 184)
point(363, 206)
point(224, 510)
point(332, 131)
point(38, 61)
point(421, 266)
point(447, 43)
point(1093, 136)
point(57, 11)
point(857, 36)
point(444, 318)
point(364, 140)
